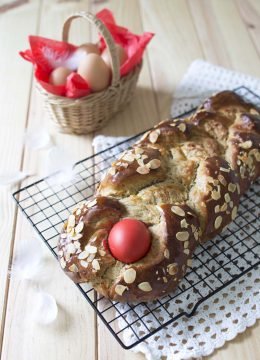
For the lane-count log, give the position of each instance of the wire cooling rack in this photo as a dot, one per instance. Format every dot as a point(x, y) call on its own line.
point(216, 264)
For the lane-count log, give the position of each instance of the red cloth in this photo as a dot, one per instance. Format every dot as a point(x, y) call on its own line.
point(46, 54)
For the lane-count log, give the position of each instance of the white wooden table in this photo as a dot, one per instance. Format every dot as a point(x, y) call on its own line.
point(225, 32)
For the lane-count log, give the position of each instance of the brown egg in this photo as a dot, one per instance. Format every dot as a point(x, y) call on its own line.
point(95, 71)
point(59, 76)
point(89, 48)
point(121, 53)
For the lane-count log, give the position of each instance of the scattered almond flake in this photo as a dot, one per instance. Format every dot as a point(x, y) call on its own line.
point(186, 244)
point(172, 124)
point(119, 163)
point(184, 223)
point(224, 207)
point(83, 255)
point(125, 165)
point(165, 279)
point(70, 248)
point(144, 157)
point(95, 264)
point(112, 171)
point(231, 204)
point(222, 180)
point(92, 203)
point(77, 244)
point(129, 157)
point(227, 197)
point(143, 170)
point(120, 289)
point(84, 263)
point(189, 262)
point(153, 137)
point(138, 156)
point(182, 235)
point(79, 227)
point(186, 251)
point(78, 211)
point(234, 213)
point(62, 263)
point(166, 253)
point(238, 162)
point(145, 286)
point(196, 235)
point(218, 222)
point(257, 156)
point(224, 169)
point(215, 195)
point(77, 237)
point(193, 228)
point(182, 127)
point(91, 257)
point(172, 269)
point(129, 276)
point(246, 144)
point(139, 150)
point(63, 235)
point(154, 163)
point(232, 187)
point(71, 221)
point(141, 163)
point(91, 249)
point(177, 210)
point(158, 131)
point(73, 268)
point(101, 252)
point(217, 209)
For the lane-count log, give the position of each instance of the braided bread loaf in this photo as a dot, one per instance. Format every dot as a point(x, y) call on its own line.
point(183, 179)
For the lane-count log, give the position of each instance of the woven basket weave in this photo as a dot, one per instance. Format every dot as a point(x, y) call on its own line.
point(91, 112)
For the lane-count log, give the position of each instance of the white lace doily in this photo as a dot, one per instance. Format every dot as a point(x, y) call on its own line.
point(236, 307)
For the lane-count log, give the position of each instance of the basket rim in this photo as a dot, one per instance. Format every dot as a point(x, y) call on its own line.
point(65, 101)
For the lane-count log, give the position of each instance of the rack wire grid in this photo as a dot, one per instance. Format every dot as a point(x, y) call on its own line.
point(216, 264)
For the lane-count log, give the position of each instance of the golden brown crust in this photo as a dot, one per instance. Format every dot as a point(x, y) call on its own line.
point(183, 179)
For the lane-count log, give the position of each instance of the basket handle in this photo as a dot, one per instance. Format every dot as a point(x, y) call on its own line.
point(106, 35)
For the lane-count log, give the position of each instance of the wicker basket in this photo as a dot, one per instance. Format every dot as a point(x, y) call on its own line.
point(89, 113)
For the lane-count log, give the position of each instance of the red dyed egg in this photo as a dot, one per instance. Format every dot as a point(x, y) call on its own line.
point(129, 240)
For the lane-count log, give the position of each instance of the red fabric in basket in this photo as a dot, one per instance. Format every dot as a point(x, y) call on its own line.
point(47, 54)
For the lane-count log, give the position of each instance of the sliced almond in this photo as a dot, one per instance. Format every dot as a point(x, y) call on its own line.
point(91, 257)
point(224, 207)
point(186, 251)
point(139, 150)
point(83, 255)
point(222, 180)
point(129, 276)
point(71, 221)
point(70, 248)
point(166, 253)
point(182, 127)
point(232, 187)
point(112, 171)
point(101, 252)
point(73, 268)
point(120, 289)
point(254, 111)
point(95, 264)
point(217, 209)
point(189, 262)
point(145, 286)
point(62, 263)
point(184, 223)
point(84, 263)
point(172, 269)
point(77, 237)
point(165, 279)
point(92, 203)
point(129, 157)
point(218, 222)
point(234, 213)
point(153, 136)
point(143, 170)
point(196, 235)
point(238, 189)
point(224, 169)
point(79, 227)
point(154, 164)
point(246, 144)
point(182, 235)
point(227, 197)
point(78, 212)
point(186, 244)
point(215, 195)
point(178, 210)
point(91, 249)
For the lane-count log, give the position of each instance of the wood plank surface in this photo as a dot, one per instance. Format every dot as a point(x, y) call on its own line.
point(220, 31)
